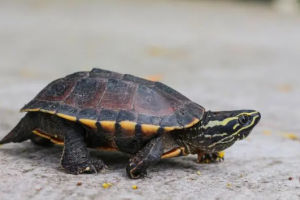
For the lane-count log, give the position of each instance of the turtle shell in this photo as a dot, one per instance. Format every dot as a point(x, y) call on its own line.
point(109, 99)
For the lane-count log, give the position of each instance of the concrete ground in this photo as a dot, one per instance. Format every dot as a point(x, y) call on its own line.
point(223, 56)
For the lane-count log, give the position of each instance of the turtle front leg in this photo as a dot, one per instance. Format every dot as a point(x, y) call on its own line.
point(210, 157)
point(148, 156)
point(76, 158)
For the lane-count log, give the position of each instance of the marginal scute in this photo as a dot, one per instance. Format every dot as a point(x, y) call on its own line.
point(124, 115)
point(147, 119)
point(29, 106)
point(35, 104)
point(88, 122)
point(125, 129)
point(67, 117)
point(50, 107)
point(107, 115)
point(149, 129)
point(31, 110)
point(170, 121)
point(47, 111)
point(195, 121)
point(108, 126)
point(195, 110)
point(88, 113)
point(127, 125)
point(68, 110)
point(184, 118)
point(168, 129)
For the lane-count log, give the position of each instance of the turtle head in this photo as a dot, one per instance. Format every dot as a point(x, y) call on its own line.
point(219, 130)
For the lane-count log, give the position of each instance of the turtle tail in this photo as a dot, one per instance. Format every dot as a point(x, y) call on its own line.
point(22, 131)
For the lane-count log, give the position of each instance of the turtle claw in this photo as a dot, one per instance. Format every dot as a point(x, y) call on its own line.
point(95, 166)
point(211, 157)
point(135, 169)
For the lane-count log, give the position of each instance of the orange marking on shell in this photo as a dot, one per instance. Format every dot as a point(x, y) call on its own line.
point(148, 129)
point(47, 111)
point(173, 153)
point(167, 128)
point(31, 110)
point(195, 121)
point(108, 126)
point(67, 117)
point(90, 123)
point(128, 126)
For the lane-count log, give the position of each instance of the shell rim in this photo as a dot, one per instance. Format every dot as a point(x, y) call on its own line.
point(83, 120)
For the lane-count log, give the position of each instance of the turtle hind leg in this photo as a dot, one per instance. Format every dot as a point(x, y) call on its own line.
point(76, 158)
point(22, 131)
point(148, 156)
point(211, 157)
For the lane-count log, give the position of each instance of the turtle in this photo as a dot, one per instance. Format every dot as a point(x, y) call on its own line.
point(106, 110)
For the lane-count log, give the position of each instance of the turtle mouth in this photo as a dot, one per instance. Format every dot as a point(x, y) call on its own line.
point(243, 135)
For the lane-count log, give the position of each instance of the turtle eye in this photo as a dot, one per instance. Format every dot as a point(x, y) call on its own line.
point(243, 119)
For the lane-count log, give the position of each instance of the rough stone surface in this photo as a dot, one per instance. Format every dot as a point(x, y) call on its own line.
point(222, 55)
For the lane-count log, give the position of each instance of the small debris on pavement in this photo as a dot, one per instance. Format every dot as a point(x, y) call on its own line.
point(106, 185)
point(134, 187)
point(79, 183)
point(290, 136)
point(267, 132)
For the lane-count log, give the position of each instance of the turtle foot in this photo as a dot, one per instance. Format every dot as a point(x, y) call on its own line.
point(93, 166)
point(135, 168)
point(211, 157)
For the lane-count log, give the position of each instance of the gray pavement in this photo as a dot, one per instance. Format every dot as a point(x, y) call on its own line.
point(223, 56)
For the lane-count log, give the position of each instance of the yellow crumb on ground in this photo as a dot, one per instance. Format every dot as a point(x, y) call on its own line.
point(221, 154)
point(198, 172)
point(157, 77)
point(134, 187)
point(290, 136)
point(267, 132)
point(228, 184)
point(106, 185)
point(285, 88)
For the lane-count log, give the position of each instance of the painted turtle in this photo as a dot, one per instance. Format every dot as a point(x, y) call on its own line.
point(110, 111)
